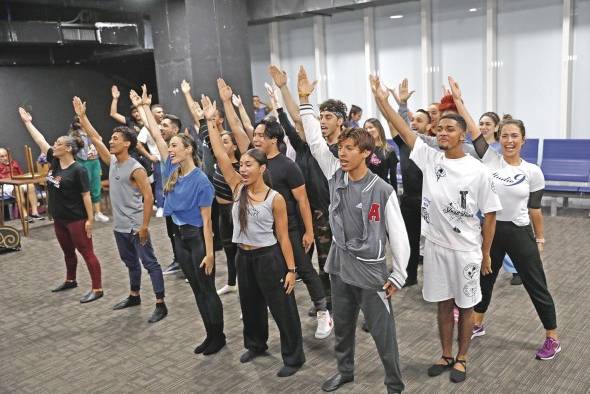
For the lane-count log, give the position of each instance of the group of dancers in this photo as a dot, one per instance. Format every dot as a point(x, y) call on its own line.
point(295, 181)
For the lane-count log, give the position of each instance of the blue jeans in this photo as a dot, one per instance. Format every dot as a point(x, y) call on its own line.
point(131, 251)
point(158, 186)
point(508, 265)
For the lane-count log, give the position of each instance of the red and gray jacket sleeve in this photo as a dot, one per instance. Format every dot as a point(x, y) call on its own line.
point(317, 145)
point(398, 241)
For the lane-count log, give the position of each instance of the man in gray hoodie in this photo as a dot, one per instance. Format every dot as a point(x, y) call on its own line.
point(364, 216)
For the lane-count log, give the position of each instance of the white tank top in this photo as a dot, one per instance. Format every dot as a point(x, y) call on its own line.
point(259, 229)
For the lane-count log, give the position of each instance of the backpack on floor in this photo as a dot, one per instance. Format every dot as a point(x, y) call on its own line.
point(9, 239)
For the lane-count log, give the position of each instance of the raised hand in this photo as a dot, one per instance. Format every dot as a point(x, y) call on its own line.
point(196, 109)
point(135, 98)
point(404, 92)
point(278, 76)
point(271, 95)
point(379, 91)
point(304, 86)
point(185, 87)
point(236, 100)
point(145, 98)
point(79, 106)
point(209, 109)
point(24, 115)
point(455, 89)
point(225, 92)
point(115, 92)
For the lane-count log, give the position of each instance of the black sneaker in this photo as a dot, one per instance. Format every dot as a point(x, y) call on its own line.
point(172, 268)
point(516, 280)
point(159, 313)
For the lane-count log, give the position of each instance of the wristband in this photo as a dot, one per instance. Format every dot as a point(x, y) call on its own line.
point(540, 240)
point(291, 270)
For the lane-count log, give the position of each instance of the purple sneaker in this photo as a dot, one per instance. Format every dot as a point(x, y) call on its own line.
point(549, 349)
point(478, 331)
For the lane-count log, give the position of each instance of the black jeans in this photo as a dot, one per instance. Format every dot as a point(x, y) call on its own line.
point(190, 247)
point(170, 231)
point(519, 242)
point(306, 272)
point(410, 208)
point(261, 273)
point(226, 228)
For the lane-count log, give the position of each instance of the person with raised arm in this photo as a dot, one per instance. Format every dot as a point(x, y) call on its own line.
point(316, 184)
point(236, 100)
point(364, 217)
point(131, 200)
point(288, 180)
point(189, 195)
point(520, 185)
point(265, 262)
point(70, 207)
point(455, 187)
point(133, 121)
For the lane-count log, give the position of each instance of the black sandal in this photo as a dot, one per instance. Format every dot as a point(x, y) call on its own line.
point(437, 369)
point(458, 376)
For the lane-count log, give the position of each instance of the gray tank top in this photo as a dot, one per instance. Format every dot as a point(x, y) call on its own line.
point(259, 230)
point(126, 199)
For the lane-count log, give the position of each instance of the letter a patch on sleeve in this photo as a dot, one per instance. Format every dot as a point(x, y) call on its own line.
point(374, 215)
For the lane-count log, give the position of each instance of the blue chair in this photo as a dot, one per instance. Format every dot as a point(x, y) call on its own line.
point(530, 150)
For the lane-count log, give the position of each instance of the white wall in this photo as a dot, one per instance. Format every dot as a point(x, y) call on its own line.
point(581, 70)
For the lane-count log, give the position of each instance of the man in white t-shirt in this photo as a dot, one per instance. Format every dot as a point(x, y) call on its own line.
point(455, 187)
point(154, 156)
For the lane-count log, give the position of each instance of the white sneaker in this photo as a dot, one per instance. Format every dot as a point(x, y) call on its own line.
point(325, 325)
point(160, 213)
point(101, 217)
point(226, 289)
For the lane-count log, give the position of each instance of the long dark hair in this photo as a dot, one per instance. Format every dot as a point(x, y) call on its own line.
point(273, 129)
point(243, 200)
point(381, 131)
point(186, 142)
point(237, 152)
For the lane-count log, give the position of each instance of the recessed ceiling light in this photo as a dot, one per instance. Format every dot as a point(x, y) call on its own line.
point(396, 16)
point(472, 9)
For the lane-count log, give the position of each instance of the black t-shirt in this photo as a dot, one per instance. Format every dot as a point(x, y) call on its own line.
point(316, 184)
point(65, 187)
point(132, 124)
point(286, 176)
point(411, 174)
point(384, 163)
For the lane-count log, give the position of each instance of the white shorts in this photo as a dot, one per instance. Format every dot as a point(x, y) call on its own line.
point(7, 191)
point(451, 274)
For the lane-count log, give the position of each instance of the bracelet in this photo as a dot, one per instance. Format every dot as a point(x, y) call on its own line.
point(304, 95)
point(540, 240)
point(291, 270)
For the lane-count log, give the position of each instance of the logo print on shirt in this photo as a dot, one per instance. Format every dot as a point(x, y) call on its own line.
point(424, 209)
point(463, 194)
point(510, 181)
point(54, 180)
point(439, 172)
point(374, 215)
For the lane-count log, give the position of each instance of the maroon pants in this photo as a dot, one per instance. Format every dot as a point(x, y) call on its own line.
point(72, 236)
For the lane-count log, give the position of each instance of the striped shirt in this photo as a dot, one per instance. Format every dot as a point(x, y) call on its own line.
point(222, 189)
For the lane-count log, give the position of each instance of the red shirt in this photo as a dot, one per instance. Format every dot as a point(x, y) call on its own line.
point(5, 169)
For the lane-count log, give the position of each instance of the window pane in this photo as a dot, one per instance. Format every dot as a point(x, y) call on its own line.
point(529, 52)
point(397, 42)
point(458, 49)
point(580, 67)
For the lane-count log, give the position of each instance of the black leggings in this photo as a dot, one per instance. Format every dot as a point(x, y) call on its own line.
point(190, 247)
point(226, 229)
point(261, 273)
point(410, 208)
point(520, 244)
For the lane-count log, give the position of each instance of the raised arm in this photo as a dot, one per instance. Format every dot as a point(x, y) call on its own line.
point(151, 125)
point(232, 178)
point(246, 121)
point(311, 126)
point(114, 113)
point(80, 110)
point(235, 125)
point(35, 134)
point(389, 113)
point(401, 97)
point(472, 127)
point(195, 111)
point(280, 79)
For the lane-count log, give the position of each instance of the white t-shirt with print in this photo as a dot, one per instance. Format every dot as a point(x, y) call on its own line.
point(145, 138)
point(514, 184)
point(453, 190)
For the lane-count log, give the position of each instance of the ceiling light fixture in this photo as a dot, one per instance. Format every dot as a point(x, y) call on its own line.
point(472, 9)
point(396, 16)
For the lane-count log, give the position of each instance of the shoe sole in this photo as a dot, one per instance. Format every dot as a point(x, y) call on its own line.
point(478, 334)
point(322, 336)
point(170, 272)
point(549, 358)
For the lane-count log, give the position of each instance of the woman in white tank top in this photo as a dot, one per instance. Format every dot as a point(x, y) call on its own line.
point(265, 268)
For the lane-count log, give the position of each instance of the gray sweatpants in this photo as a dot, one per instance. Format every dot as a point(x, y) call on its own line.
point(347, 300)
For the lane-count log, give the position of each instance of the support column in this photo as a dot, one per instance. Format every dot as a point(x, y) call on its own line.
point(426, 50)
point(566, 70)
point(200, 40)
point(319, 39)
point(370, 57)
point(491, 54)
